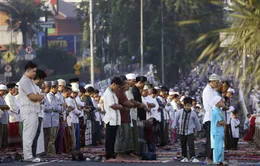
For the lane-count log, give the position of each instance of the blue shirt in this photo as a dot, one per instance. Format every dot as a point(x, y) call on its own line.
point(217, 116)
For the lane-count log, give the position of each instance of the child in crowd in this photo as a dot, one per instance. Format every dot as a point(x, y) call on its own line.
point(187, 120)
point(235, 123)
point(217, 130)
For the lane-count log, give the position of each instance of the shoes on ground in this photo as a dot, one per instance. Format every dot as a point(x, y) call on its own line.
point(185, 160)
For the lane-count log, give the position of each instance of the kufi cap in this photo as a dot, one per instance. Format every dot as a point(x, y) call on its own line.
point(230, 90)
point(214, 77)
point(176, 93)
point(157, 88)
point(61, 82)
point(131, 76)
point(215, 100)
point(11, 85)
point(3, 87)
point(54, 83)
point(47, 83)
point(198, 105)
point(75, 87)
point(141, 78)
point(88, 85)
point(123, 78)
point(146, 87)
point(171, 93)
point(74, 80)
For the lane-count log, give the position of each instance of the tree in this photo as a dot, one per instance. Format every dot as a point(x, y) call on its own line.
point(23, 16)
point(242, 51)
point(120, 22)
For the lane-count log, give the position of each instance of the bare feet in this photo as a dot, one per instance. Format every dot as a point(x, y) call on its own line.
point(209, 161)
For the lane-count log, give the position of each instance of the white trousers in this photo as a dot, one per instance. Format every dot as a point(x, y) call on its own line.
point(30, 124)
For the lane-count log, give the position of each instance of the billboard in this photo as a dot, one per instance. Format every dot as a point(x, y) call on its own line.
point(67, 43)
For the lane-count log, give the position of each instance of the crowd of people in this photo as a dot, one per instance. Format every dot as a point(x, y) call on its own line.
point(134, 117)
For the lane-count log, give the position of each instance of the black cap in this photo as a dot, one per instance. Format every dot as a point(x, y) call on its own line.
point(123, 78)
point(74, 80)
point(141, 78)
point(11, 85)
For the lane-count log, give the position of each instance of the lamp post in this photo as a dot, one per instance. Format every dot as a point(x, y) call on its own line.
point(91, 42)
point(142, 40)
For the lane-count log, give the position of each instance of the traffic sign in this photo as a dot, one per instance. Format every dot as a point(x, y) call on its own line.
point(8, 74)
point(28, 57)
point(77, 66)
point(77, 72)
point(29, 49)
point(47, 24)
point(8, 56)
point(8, 68)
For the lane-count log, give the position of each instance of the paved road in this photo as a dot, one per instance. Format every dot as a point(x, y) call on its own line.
point(98, 164)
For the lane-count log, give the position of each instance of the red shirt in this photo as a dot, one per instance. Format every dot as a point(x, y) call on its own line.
point(125, 113)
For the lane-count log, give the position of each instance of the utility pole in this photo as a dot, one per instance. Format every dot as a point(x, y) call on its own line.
point(11, 40)
point(162, 43)
point(46, 29)
point(142, 40)
point(91, 42)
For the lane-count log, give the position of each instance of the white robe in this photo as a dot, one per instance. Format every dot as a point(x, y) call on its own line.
point(40, 142)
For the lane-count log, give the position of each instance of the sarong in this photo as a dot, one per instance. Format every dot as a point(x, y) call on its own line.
point(135, 136)
point(141, 137)
point(59, 140)
point(88, 134)
point(67, 140)
point(14, 138)
point(82, 131)
point(124, 140)
point(77, 135)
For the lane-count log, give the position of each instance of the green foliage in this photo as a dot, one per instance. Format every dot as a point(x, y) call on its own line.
point(120, 21)
point(244, 41)
point(55, 59)
point(25, 14)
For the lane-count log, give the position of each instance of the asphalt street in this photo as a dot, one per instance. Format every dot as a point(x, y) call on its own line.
point(97, 164)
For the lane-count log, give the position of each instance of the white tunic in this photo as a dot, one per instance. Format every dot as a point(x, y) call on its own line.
point(112, 116)
point(14, 112)
point(234, 127)
point(207, 96)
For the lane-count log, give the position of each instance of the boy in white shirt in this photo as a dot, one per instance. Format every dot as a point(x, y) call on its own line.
point(235, 123)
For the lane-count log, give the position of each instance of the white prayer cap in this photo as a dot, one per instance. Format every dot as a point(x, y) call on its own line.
point(3, 87)
point(171, 93)
point(214, 77)
point(198, 105)
point(146, 87)
point(75, 87)
point(230, 90)
point(88, 85)
point(157, 88)
point(131, 76)
point(176, 93)
point(61, 82)
point(215, 100)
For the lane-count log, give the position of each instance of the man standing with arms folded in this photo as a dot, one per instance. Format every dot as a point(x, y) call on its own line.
point(208, 94)
point(29, 100)
point(112, 117)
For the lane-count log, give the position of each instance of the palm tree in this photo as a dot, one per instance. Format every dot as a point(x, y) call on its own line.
point(242, 41)
point(23, 16)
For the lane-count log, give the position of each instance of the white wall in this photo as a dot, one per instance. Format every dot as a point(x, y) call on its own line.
point(5, 36)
